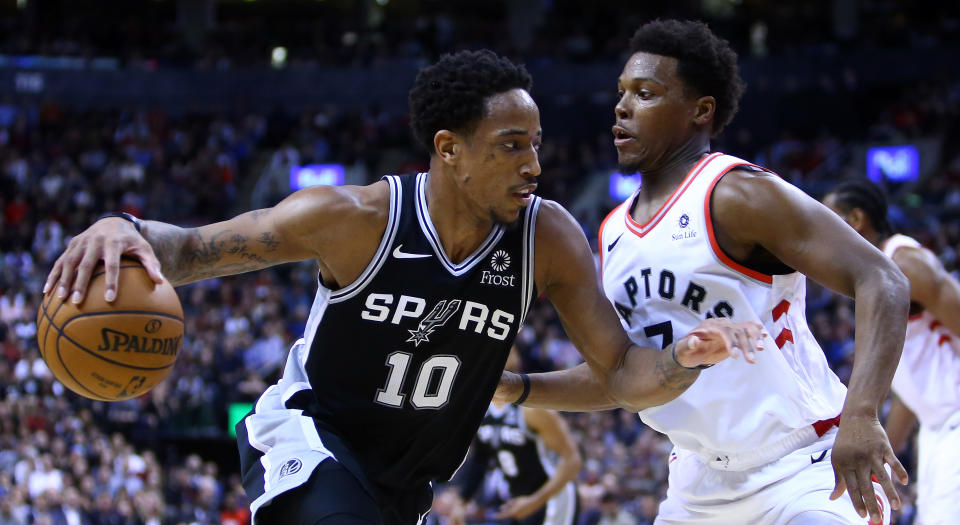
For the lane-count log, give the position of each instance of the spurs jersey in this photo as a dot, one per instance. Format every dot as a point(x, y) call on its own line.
point(521, 456)
point(929, 370)
point(665, 276)
point(523, 460)
point(396, 369)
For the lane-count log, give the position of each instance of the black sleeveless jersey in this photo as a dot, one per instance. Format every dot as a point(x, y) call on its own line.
point(403, 362)
point(504, 438)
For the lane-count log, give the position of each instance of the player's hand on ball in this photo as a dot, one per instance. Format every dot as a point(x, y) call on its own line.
point(859, 454)
point(717, 339)
point(105, 240)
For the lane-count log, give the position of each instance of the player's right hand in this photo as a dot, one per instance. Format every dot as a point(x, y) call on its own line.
point(105, 240)
point(717, 339)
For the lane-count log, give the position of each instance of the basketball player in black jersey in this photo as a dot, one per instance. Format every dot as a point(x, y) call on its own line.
point(422, 288)
point(517, 441)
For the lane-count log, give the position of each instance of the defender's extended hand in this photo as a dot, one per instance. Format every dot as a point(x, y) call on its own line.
point(717, 339)
point(105, 240)
point(859, 454)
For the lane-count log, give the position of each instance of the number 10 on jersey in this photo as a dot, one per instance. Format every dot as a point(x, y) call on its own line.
point(399, 363)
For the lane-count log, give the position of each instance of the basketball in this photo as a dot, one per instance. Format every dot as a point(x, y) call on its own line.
point(112, 351)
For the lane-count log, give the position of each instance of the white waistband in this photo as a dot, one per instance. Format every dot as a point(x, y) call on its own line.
point(800, 438)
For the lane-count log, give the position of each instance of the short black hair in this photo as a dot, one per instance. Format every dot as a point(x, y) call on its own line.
point(451, 93)
point(864, 194)
point(706, 63)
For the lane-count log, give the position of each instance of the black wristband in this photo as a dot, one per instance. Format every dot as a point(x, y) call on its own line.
point(122, 215)
point(526, 389)
point(673, 353)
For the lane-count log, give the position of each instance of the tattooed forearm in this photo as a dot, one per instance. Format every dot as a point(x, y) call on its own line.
point(672, 377)
point(185, 255)
point(269, 240)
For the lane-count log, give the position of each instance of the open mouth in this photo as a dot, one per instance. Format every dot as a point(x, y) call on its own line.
point(621, 135)
point(525, 194)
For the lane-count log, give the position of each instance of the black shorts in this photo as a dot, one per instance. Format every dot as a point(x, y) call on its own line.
point(334, 496)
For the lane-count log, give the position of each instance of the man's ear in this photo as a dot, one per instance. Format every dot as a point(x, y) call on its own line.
point(857, 219)
point(447, 146)
point(706, 106)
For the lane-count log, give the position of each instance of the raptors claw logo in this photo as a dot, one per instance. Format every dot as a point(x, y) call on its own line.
point(435, 319)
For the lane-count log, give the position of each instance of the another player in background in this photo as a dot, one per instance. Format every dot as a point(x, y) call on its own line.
point(710, 235)
point(518, 440)
point(424, 281)
point(927, 382)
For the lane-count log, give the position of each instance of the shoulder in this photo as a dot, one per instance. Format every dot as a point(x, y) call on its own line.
point(555, 224)
point(915, 262)
point(740, 186)
point(322, 212)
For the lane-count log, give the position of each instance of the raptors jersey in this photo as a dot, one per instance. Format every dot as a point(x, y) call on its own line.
point(929, 370)
point(396, 369)
point(666, 276)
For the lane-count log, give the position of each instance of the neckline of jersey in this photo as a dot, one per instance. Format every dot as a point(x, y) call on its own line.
point(645, 228)
point(430, 232)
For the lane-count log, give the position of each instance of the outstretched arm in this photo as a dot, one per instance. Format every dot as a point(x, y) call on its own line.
point(931, 285)
point(761, 213)
point(620, 373)
point(295, 229)
point(553, 430)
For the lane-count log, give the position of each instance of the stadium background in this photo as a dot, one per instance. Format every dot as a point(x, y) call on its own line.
point(188, 111)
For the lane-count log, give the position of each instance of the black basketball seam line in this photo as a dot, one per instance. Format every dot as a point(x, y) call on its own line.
point(138, 265)
point(49, 322)
point(67, 370)
point(112, 312)
point(78, 345)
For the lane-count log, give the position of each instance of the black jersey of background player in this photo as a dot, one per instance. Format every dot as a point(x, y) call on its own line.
point(504, 438)
point(404, 361)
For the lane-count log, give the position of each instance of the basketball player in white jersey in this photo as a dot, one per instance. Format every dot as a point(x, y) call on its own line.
point(710, 235)
point(927, 382)
point(384, 393)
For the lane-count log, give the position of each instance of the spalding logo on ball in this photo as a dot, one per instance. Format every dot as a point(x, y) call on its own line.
point(112, 351)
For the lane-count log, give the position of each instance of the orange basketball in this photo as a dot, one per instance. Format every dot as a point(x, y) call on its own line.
point(112, 352)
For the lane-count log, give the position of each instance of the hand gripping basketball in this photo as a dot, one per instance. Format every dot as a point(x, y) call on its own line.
point(110, 351)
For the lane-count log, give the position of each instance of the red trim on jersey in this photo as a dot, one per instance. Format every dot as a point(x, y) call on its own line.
point(943, 339)
point(821, 427)
point(642, 229)
point(724, 258)
point(935, 324)
point(785, 335)
point(600, 233)
point(914, 317)
point(781, 309)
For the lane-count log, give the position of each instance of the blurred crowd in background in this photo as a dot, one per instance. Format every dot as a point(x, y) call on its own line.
point(166, 457)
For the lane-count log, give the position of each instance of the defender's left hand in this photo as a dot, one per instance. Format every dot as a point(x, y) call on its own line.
point(859, 455)
point(716, 339)
point(518, 508)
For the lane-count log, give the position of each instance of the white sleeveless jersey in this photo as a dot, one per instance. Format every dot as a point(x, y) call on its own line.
point(929, 371)
point(664, 277)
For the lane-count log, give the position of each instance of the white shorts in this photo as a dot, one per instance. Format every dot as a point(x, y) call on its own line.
point(938, 474)
point(794, 490)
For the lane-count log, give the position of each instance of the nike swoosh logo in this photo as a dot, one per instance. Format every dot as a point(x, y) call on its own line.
point(404, 255)
point(818, 460)
point(614, 243)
